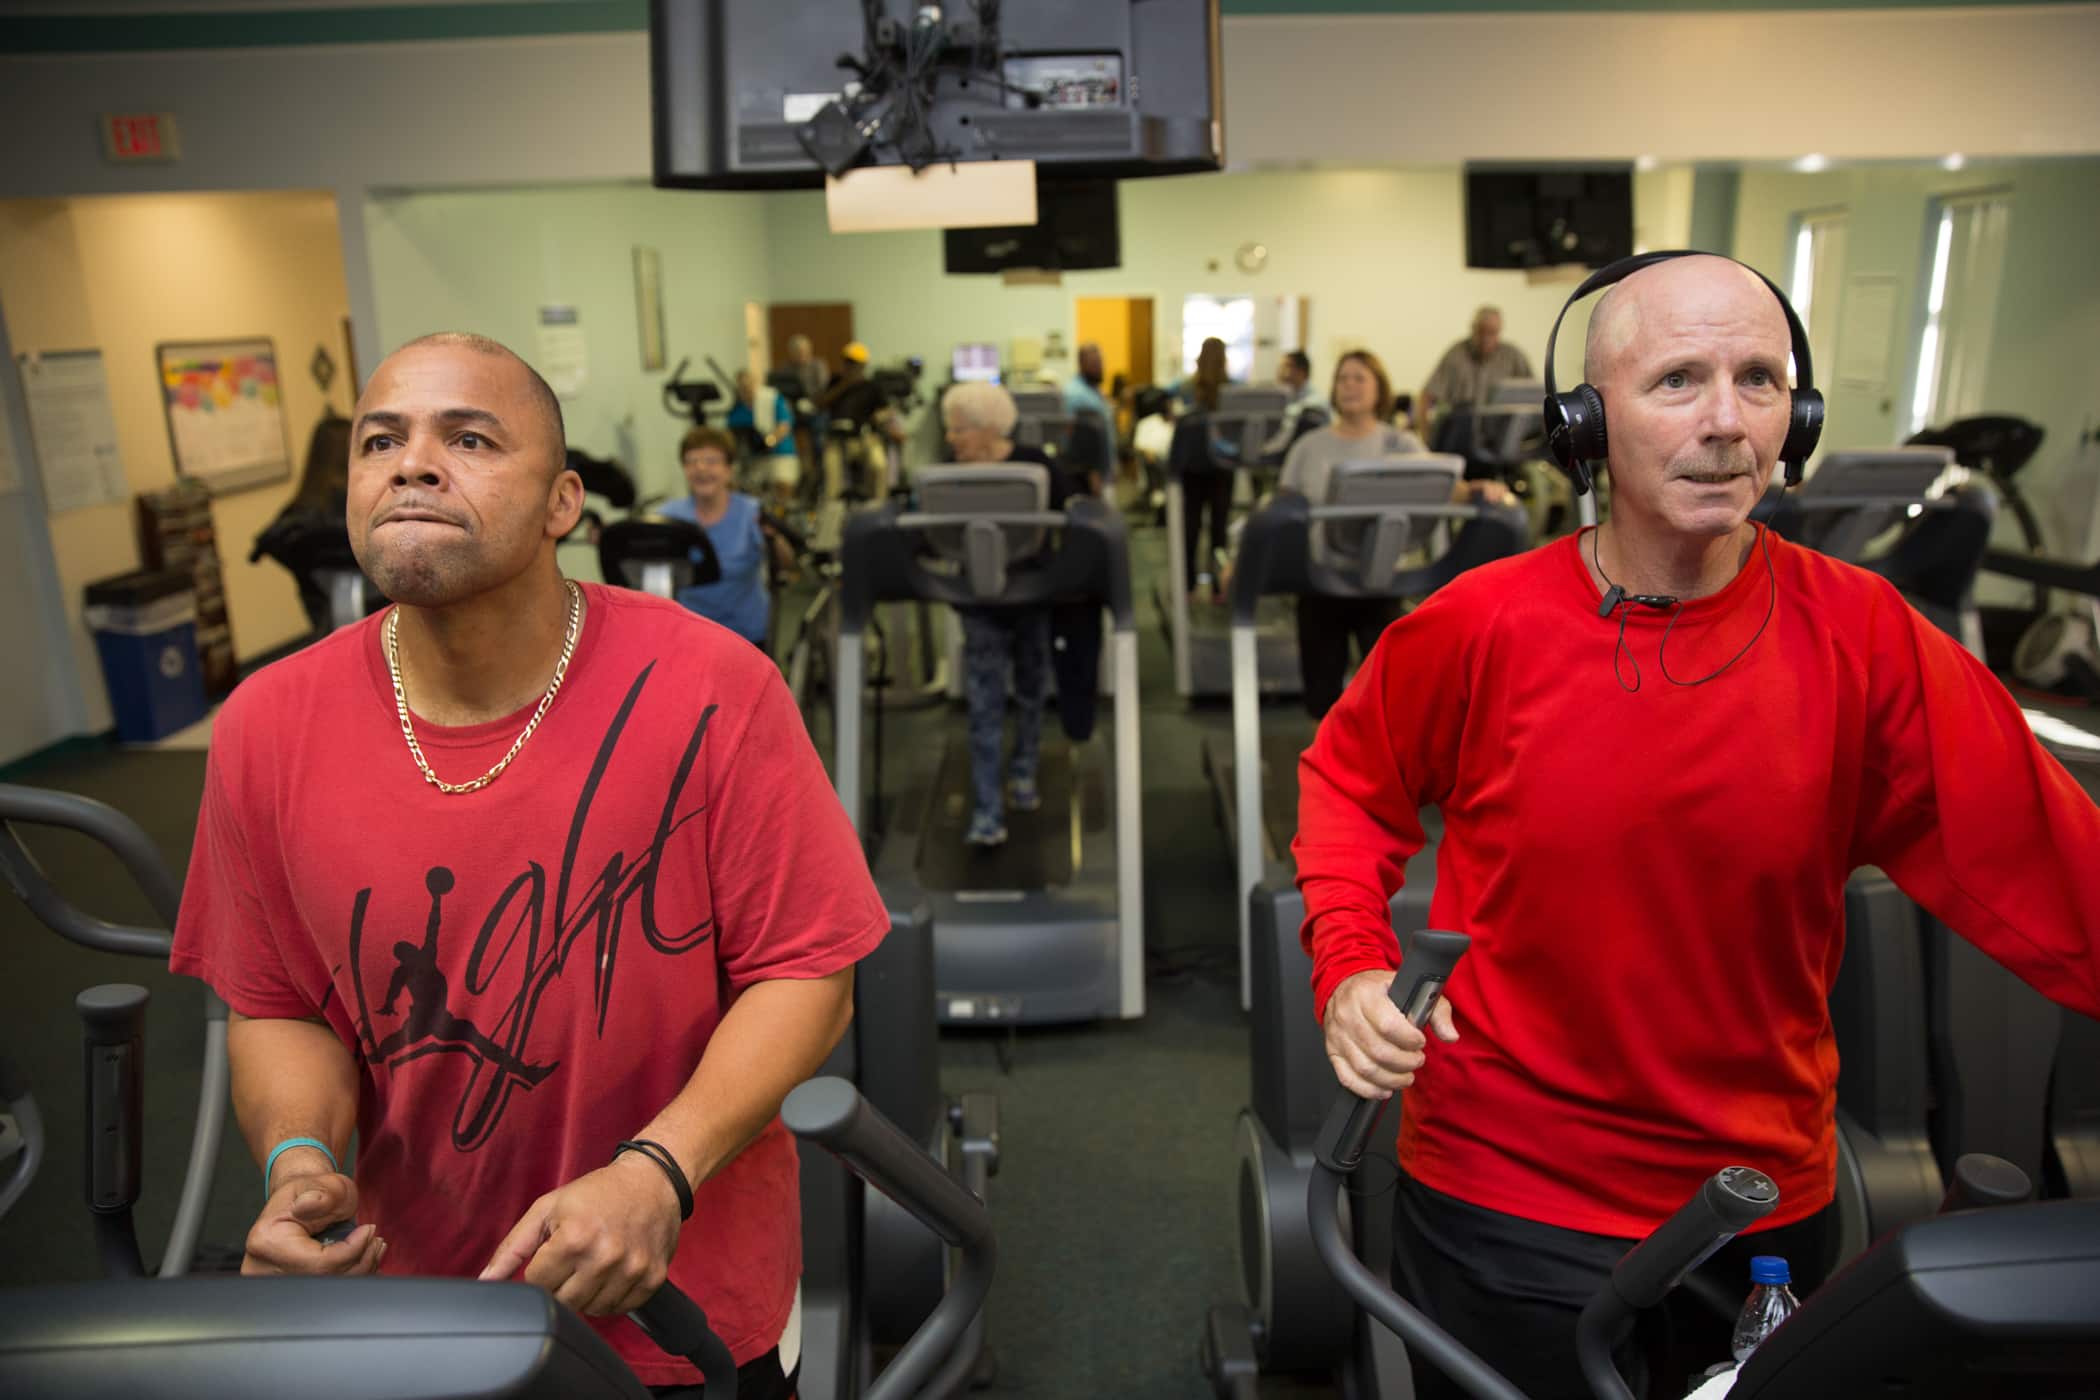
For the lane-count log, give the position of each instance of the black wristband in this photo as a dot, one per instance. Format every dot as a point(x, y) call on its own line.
point(656, 1153)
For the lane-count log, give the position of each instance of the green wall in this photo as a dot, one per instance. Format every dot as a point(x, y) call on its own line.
point(2045, 355)
point(486, 261)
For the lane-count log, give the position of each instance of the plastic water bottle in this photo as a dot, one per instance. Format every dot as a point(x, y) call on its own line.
point(1770, 1303)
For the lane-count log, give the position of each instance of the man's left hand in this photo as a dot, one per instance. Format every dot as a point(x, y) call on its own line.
point(602, 1244)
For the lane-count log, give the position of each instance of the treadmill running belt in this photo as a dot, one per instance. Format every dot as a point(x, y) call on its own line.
point(1038, 851)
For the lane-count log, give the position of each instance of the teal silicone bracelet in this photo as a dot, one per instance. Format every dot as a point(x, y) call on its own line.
point(281, 1148)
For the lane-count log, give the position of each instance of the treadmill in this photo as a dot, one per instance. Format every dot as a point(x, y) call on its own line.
point(655, 555)
point(1048, 928)
point(1961, 1055)
point(1294, 1317)
point(1042, 419)
point(1198, 629)
point(1377, 512)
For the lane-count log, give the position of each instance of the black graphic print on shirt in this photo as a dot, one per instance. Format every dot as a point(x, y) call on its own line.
point(517, 952)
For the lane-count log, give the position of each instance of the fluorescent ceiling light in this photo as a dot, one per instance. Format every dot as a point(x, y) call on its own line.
point(1810, 164)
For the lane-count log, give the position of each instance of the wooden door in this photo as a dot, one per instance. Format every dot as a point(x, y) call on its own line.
point(1144, 366)
point(828, 324)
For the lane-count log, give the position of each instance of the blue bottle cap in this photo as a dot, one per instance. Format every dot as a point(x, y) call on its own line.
point(1770, 1269)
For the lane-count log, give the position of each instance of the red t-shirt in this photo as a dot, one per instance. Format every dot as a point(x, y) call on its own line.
point(1654, 882)
point(529, 973)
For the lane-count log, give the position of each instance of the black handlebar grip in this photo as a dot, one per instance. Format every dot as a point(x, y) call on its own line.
point(1730, 1200)
point(676, 1323)
point(1981, 1180)
point(1426, 963)
point(831, 1113)
point(113, 1030)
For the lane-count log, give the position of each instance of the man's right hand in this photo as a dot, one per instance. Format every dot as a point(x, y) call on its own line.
point(282, 1238)
point(1373, 1048)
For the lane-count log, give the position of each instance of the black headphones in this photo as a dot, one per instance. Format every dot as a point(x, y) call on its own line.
point(1575, 420)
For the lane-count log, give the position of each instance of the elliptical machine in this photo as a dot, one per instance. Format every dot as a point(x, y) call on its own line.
point(872, 1276)
point(1977, 1303)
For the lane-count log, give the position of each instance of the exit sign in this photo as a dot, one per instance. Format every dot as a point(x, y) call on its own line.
point(148, 137)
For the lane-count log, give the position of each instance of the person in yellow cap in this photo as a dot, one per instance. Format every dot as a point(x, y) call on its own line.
point(856, 405)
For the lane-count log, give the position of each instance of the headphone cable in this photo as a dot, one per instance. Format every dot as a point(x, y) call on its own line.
point(1662, 657)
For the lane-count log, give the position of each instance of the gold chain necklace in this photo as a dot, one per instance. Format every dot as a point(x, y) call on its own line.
point(408, 730)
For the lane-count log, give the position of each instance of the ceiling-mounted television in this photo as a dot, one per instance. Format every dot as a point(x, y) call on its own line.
point(1548, 215)
point(760, 94)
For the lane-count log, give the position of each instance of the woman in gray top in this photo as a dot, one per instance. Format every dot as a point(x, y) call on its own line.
point(1363, 408)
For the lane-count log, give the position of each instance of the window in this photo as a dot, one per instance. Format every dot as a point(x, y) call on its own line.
point(1818, 276)
point(1961, 305)
point(1230, 319)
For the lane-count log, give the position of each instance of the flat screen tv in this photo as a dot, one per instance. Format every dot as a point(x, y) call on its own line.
point(775, 94)
point(1548, 215)
point(1077, 227)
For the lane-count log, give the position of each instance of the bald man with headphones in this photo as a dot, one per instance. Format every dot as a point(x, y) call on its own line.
point(1659, 748)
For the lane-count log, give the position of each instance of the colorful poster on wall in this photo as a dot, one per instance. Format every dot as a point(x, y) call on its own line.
point(225, 407)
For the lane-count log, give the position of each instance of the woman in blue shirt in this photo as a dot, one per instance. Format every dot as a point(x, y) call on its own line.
point(735, 528)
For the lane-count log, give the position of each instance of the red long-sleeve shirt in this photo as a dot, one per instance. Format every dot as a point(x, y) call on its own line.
point(1654, 881)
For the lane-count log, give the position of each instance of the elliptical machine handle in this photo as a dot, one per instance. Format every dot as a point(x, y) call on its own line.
point(142, 860)
point(17, 1098)
point(1425, 966)
point(676, 1323)
point(1725, 1204)
point(831, 1113)
point(112, 1037)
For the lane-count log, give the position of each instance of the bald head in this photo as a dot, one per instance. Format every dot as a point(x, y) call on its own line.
point(537, 390)
point(1699, 292)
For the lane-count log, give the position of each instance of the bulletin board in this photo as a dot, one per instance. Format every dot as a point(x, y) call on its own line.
point(225, 409)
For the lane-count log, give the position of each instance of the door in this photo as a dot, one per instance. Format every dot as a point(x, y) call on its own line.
point(1122, 327)
point(1144, 364)
point(828, 324)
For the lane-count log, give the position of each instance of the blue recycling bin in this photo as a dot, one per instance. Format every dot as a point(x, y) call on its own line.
point(145, 627)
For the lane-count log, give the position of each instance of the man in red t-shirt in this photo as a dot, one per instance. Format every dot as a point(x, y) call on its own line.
point(1649, 818)
point(514, 873)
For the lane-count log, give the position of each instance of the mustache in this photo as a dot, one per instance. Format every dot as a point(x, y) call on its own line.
point(1739, 461)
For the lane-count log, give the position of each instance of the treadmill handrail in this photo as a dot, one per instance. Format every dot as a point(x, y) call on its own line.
point(918, 520)
point(2038, 568)
point(1275, 550)
point(1891, 500)
point(881, 561)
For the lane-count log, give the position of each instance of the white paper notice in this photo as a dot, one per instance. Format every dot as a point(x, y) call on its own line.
point(75, 431)
point(1867, 332)
point(564, 358)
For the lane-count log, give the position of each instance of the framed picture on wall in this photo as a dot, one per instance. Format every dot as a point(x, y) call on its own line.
point(225, 408)
point(649, 305)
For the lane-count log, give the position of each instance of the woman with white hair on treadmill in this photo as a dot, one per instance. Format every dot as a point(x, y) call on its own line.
point(979, 419)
